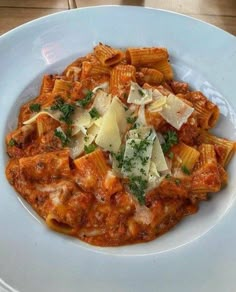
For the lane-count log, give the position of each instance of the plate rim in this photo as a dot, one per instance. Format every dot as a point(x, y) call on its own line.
point(33, 21)
point(23, 26)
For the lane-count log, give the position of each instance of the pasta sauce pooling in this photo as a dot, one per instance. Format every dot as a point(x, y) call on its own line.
point(114, 151)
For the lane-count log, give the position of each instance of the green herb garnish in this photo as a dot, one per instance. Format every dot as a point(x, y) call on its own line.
point(94, 113)
point(65, 108)
point(168, 176)
point(141, 92)
point(171, 139)
point(119, 157)
point(185, 170)
point(90, 148)
point(35, 107)
point(141, 146)
point(65, 139)
point(142, 171)
point(86, 100)
point(137, 186)
point(12, 142)
point(177, 181)
point(171, 155)
point(131, 120)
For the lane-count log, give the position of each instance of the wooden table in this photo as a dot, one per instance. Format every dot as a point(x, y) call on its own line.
point(221, 13)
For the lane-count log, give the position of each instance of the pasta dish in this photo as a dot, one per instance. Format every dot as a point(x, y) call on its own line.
point(114, 151)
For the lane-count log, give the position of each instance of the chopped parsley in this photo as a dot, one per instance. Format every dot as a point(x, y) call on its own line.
point(12, 142)
point(140, 91)
point(185, 170)
point(86, 100)
point(171, 155)
point(119, 157)
point(142, 171)
point(137, 186)
point(125, 97)
point(62, 136)
point(177, 181)
point(140, 147)
point(171, 139)
point(90, 148)
point(65, 108)
point(94, 113)
point(128, 164)
point(35, 107)
point(168, 176)
point(131, 120)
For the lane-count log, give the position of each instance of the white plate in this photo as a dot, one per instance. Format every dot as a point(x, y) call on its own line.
point(33, 258)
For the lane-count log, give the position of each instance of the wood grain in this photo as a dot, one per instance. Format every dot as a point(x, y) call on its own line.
point(221, 13)
point(13, 17)
point(56, 4)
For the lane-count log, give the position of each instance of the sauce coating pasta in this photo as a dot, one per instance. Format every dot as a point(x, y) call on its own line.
point(114, 151)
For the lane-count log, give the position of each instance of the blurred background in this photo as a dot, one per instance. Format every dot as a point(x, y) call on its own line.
point(221, 13)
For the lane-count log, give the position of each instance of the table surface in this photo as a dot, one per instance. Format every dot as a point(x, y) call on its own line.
point(221, 13)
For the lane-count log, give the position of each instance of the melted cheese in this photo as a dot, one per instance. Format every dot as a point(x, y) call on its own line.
point(175, 111)
point(138, 95)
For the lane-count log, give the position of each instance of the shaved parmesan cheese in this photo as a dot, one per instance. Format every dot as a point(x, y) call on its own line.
point(93, 130)
point(141, 120)
point(117, 108)
point(91, 135)
point(53, 114)
point(158, 104)
point(77, 145)
point(175, 111)
point(81, 121)
point(98, 122)
point(104, 86)
point(158, 157)
point(137, 163)
point(160, 138)
point(113, 126)
point(156, 94)
point(142, 133)
point(101, 102)
point(154, 178)
point(88, 139)
point(109, 135)
point(138, 95)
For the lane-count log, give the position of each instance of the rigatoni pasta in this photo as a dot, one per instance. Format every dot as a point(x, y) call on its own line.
point(115, 151)
point(107, 55)
point(144, 56)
